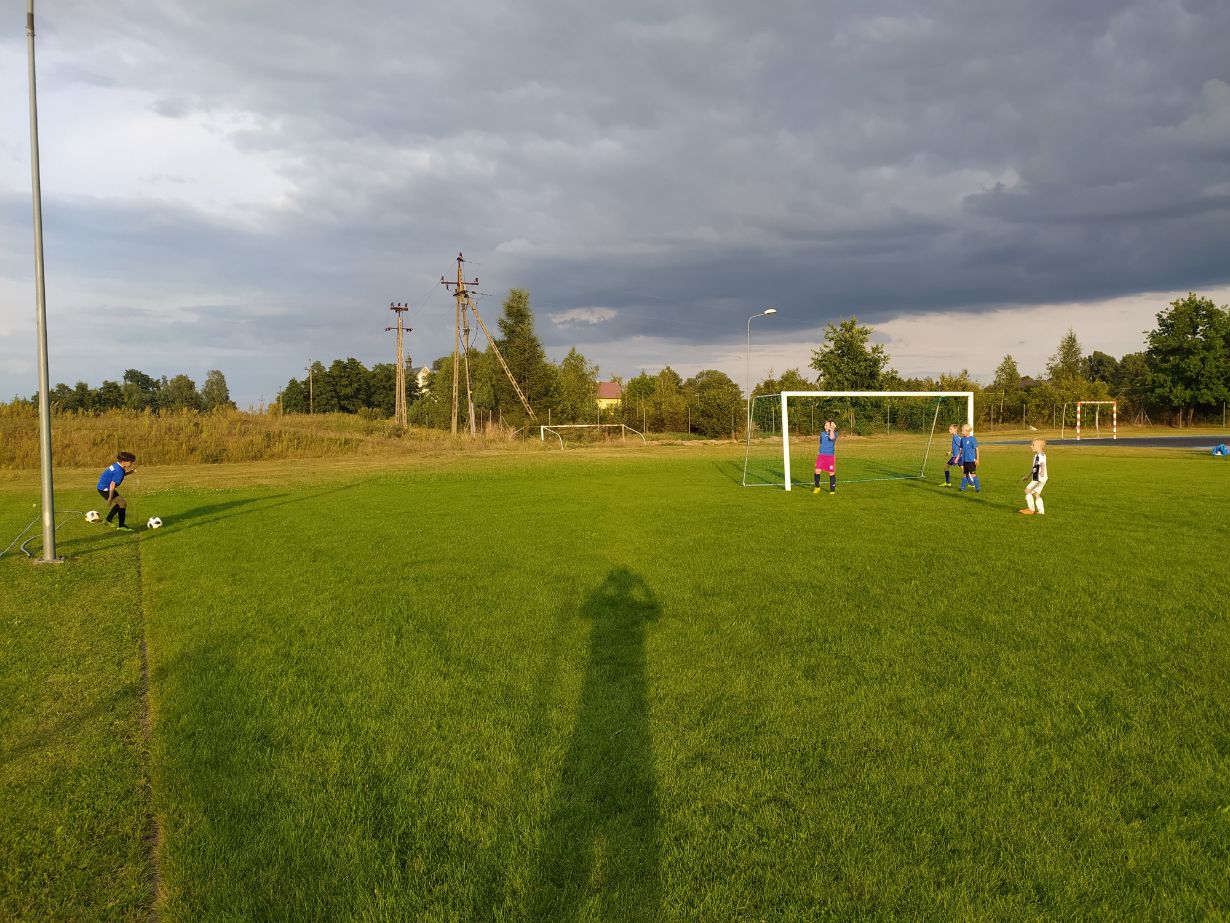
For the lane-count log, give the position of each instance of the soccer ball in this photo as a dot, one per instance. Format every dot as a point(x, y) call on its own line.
point(92, 516)
point(154, 523)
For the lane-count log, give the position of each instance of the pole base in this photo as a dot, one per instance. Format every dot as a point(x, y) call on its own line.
point(49, 560)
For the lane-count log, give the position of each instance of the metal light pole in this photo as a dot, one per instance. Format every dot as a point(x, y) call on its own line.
point(764, 313)
point(40, 297)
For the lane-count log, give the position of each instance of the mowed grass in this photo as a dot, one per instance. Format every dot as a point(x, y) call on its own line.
point(75, 832)
point(617, 686)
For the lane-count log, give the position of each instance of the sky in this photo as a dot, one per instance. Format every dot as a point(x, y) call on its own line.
point(247, 185)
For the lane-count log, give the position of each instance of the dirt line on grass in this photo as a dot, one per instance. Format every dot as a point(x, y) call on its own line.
point(153, 830)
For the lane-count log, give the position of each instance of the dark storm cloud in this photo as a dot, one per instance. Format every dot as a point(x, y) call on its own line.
point(677, 163)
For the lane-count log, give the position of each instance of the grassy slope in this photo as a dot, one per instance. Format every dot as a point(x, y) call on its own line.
point(73, 790)
point(613, 687)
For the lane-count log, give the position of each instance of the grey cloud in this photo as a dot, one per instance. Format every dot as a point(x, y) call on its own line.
point(679, 163)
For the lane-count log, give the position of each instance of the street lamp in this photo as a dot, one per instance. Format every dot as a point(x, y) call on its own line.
point(40, 299)
point(764, 313)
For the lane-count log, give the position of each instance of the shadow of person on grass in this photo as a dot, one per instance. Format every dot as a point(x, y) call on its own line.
point(600, 854)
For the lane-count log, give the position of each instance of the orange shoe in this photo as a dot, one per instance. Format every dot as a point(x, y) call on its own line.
point(1026, 512)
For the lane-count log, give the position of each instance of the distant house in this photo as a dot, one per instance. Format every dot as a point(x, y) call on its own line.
point(610, 394)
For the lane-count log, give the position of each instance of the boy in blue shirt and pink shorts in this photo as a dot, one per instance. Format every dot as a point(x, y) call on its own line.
point(826, 460)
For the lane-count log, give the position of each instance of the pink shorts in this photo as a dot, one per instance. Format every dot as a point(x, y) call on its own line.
point(826, 463)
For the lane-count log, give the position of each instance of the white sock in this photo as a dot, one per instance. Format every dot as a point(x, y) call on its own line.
point(1029, 500)
point(1041, 506)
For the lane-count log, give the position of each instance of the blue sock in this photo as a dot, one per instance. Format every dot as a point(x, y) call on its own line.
point(977, 486)
point(963, 481)
point(947, 477)
point(832, 483)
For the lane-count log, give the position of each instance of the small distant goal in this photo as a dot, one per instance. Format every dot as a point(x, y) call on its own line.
point(1097, 417)
point(588, 432)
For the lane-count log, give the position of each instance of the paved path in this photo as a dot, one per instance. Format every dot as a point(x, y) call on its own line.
point(1135, 442)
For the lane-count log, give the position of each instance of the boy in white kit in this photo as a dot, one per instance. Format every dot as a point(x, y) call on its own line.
point(1037, 480)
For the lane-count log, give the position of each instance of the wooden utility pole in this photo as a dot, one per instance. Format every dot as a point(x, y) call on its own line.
point(311, 388)
point(461, 345)
point(400, 412)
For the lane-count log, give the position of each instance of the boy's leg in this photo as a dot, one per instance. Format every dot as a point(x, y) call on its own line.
point(833, 483)
point(1038, 498)
point(115, 507)
point(817, 479)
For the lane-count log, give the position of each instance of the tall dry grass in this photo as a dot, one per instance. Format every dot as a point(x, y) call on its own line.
point(188, 437)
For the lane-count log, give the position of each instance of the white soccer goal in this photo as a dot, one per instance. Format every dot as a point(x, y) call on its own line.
point(883, 435)
point(589, 432)
point(1097, 417)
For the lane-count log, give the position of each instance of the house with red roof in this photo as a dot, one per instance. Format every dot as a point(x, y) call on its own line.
point(610, 394)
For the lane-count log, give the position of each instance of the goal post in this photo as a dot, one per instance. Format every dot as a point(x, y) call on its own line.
point(598, 430)
point(1097, 417)
point(786, 396)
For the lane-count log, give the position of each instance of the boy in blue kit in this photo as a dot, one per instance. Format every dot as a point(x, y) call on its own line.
point(969, 458)
point(108, 487)
point(954, 457)
point(826, 460)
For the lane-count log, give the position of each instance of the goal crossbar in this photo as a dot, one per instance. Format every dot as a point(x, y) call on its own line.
point(786, 395)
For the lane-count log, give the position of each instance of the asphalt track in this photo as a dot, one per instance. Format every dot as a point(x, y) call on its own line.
point(1134, 442)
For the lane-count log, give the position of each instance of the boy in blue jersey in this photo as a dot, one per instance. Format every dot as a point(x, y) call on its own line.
point(954, 456)
point(826, 459)
point(969, 458)
point(108, 487)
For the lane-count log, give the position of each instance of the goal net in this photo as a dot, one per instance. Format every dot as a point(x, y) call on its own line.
point(884, 435)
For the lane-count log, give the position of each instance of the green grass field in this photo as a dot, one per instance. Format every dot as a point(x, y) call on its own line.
point(614, 685)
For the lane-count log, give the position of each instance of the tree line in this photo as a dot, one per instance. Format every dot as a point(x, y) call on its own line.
point(141, 392)
point(709, 403)
point(1182, 375)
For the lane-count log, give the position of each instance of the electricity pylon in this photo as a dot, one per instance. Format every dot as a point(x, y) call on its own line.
point(461, 345)
point(400, 412)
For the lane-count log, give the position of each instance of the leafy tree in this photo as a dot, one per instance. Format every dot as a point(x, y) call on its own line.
point(670, 409)
point(1066, 364)
point(63, 398)
point(382, 388)
point(109, 396)
point(294, 397)
point(1100, 366)
point(350, 384)
point(214, 393)
point(433, 407)
point(1005, 391)
point(845, 361)
point(1189, 357)
point(84, 396)
point(578, 389)
point(638, 398)
point(526, 358)
point(324, 388)
point(716, 402)
point(180, 394)
point(140, 390)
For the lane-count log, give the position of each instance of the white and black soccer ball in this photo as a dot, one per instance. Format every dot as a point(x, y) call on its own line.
point(154, 523)
point(92, 516)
